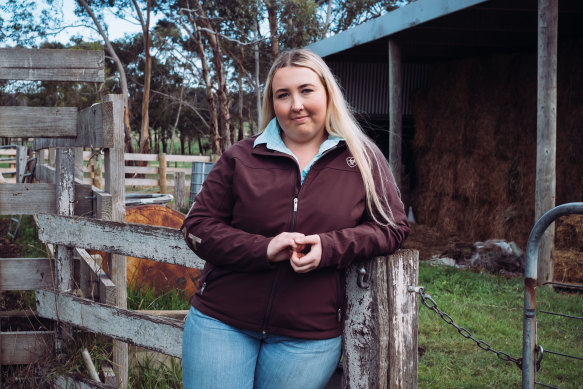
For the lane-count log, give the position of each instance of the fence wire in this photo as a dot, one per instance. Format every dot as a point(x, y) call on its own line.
point(430, 303)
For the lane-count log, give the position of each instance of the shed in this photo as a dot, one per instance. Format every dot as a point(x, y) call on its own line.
point(473, 106)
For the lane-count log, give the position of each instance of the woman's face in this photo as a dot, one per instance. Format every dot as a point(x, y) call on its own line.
point(300, 103)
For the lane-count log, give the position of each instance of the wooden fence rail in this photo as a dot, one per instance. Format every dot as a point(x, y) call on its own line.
point(159, 173)
point(380, 333)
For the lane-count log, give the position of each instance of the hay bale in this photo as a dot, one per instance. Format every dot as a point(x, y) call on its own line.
point(568, 266)
point(475, 144)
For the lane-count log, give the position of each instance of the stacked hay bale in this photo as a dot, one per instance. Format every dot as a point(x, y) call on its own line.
point(475, 144)
point(568, 254)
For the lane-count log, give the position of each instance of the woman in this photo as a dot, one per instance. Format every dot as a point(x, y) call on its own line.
point(278, 219)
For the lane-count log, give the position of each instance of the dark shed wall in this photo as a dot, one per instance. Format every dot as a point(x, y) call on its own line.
point(475, 144)
point(365, 85)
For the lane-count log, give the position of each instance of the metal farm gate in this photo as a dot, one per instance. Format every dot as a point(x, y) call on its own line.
point(532, 353)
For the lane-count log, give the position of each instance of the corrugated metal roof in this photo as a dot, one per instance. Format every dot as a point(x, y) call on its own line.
point(365, 85)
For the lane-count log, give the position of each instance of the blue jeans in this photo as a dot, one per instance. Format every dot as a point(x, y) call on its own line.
point(215, 355)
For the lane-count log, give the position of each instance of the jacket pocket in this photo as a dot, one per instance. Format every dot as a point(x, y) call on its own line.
point(206, 279)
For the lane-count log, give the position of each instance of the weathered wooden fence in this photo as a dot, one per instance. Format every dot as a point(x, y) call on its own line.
point(380, 334)
point(158, 165)
point(68, 130)
point(159, 173)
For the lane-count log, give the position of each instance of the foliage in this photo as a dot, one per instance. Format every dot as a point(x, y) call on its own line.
point(151, 373)
point(237, 50)
point(21, 21)
point(144, 298)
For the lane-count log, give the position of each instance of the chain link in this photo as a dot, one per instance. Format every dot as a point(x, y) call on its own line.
point(430, 303)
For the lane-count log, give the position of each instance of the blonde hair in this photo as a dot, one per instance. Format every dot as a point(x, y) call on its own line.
point(339, 122)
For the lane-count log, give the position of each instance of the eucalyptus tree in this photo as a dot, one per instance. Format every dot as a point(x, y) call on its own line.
point(349, 13)
point(93, 10)
point(23, 22)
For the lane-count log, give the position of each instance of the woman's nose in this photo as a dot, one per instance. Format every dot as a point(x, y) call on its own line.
point(297, 106)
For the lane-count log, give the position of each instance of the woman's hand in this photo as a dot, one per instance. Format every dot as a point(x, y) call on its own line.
point(303, 263)
point(282, 246)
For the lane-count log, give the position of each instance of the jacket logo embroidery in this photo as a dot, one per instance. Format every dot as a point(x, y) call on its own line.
point(351, 162)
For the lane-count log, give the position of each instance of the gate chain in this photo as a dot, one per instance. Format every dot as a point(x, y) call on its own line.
point(432, 305)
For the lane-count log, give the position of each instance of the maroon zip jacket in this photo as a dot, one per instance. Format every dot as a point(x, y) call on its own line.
point(252, 195)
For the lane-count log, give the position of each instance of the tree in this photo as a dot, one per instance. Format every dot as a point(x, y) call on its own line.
point(145, 23)
point(350, 13)
point(22, 23)
point(99, 25)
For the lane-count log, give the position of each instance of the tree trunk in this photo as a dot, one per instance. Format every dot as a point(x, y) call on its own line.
point(257, 83)
point(241, 134)
point(214, 120)
point(144, 131)
point(222, 94)
point(272, 17)
point(250, 120)
point(328, 18)
point(123, 83)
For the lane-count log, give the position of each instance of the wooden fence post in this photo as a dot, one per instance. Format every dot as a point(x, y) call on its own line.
point(162, 172)
point(79, 163)
point(21, 158)
point(114, 185)
point(180, 190)
point(65, 204)
point(52, 156)
point(403, 271)
point(374, 349)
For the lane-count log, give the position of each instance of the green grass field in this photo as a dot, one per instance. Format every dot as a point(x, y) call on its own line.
point(490, 307)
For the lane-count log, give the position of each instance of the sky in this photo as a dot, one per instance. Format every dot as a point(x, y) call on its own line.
point(117, 27)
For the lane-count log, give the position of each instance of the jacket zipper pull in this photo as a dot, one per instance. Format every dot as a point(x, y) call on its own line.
point(202, 288)
point(295, 204)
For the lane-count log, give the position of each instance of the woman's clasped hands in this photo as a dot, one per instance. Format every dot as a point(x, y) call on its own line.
point(303, 251)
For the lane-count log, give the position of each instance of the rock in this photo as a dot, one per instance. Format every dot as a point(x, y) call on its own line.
point(496, 255)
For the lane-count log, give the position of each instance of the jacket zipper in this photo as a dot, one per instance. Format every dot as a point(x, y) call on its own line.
point(296, 195)
point(206, 280)
point(278, 270)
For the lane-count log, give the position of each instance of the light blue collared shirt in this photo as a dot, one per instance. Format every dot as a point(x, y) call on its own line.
point(272, 140)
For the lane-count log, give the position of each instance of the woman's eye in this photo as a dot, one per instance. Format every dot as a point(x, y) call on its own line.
point(281, 95)
point(307, 90)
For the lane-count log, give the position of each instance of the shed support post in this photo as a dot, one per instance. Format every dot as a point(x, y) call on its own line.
point(114, 185)
point(395, 110)
point(546, 129)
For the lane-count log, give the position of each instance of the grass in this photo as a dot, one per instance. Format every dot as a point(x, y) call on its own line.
point(142, 298)
point(149, 372)
point(491, 307)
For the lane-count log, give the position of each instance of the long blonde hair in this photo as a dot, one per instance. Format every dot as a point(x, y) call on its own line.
point(339, 122)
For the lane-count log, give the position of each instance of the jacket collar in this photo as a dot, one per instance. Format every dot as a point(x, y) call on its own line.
point(271, 138)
